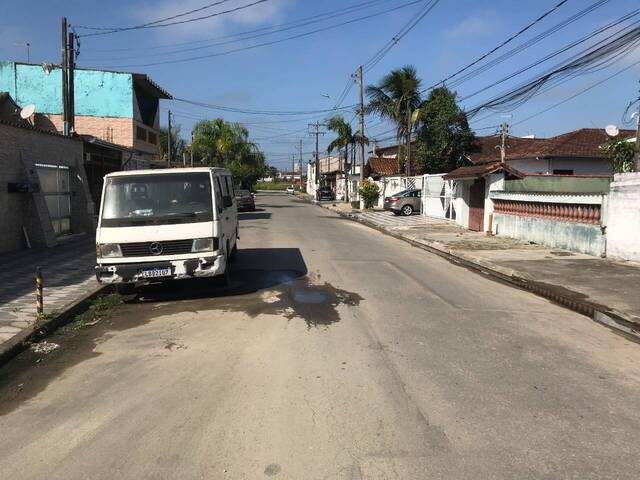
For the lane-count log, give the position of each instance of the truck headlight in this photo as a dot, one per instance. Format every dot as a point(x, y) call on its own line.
point(203, 245)
point(110, 250)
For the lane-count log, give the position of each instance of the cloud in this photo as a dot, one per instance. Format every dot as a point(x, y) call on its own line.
point(475, 26)
point(255, 15)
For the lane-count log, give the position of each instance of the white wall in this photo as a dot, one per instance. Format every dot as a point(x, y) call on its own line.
point(623, 217)
point(580, 166)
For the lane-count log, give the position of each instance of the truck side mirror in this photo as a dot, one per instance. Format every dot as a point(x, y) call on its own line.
point(227, 201)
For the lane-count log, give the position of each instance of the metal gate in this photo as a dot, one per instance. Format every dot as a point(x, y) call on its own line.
point(438, 197)
point(54, 185)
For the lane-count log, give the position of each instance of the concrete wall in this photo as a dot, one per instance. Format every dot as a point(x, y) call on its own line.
point(570, 236)
point(623, 217)
point(559, 184)
point(97, 93)
point(17, 210)
point(580, 166)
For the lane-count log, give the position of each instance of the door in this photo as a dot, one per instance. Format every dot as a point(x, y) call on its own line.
point(54, 185)
point(228, 215)
point(476, 205)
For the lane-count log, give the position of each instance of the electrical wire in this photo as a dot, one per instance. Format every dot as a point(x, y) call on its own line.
point(257, 112)
point(271, 42)
point(522, 47)
point(241, 36)
point(577, 94)
point(591, 60)
point(560, 51)
point(505, 42)
point(180, 22)
point(378, 56)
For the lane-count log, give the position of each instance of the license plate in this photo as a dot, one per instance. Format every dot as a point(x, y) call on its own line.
point(155, 272)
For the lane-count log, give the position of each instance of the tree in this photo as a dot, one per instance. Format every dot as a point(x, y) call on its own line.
point(396, 97)
point(370, 193)
point(345, 139)
point(271, 172)
point(219, 143)
point(178, 145)
point(443, 133)
point(621, 154)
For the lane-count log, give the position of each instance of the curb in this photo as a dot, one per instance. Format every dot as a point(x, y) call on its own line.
point(21, 341)
point(599, 313)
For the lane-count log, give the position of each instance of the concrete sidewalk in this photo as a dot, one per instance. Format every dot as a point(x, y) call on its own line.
point(68, 276)
point(604, 289)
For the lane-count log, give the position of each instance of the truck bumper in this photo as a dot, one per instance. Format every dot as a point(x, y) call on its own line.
point(180, 269)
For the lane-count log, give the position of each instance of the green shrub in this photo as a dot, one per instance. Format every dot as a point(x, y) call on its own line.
point(370, 193)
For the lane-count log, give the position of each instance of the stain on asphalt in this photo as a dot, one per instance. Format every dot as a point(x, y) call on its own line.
point(291, 294)
point(272, 469)
point(286, 293)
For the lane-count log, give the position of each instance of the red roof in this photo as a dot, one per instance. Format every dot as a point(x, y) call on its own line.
point(582, 143)
point(480, 170)
point(383, 166)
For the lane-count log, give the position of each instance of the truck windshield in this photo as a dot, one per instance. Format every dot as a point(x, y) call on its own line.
point(158, 199)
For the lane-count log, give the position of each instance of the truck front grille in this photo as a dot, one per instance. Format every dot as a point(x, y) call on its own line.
point(148, 249)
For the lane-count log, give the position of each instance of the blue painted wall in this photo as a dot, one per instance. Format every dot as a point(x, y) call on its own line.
point(97, 93)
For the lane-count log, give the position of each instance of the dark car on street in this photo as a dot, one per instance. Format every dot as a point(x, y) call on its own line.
point(245, 201)
point(404, 203)
point(324, 193)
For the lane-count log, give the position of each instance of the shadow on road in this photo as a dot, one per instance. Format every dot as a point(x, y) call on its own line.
point(257, 215)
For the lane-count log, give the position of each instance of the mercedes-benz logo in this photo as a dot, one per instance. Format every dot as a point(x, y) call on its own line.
point(155, 248)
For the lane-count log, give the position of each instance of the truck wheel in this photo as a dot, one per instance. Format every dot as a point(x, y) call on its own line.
point(233, 256)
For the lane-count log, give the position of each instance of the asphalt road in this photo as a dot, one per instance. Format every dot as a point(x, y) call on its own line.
point(338, 353)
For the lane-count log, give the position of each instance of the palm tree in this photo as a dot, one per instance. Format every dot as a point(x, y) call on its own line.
point(345, 139)
point(396, 97)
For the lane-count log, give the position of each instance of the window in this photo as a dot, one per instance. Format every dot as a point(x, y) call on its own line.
point(141, 134)
point(153, 138)
point(563, 172)
point(218, 190)
point(229, 185)
point(225, 188)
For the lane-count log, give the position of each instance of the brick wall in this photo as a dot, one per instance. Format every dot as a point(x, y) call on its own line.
point(115, 130)
point(17, 210)
point(121, 131)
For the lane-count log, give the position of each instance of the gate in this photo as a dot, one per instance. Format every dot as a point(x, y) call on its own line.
point(54, 186)
point(438, 197)
point(476, 205)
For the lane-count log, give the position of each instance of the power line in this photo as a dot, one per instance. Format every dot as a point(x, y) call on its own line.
point(589, 61)
point(268, 43)
point(505, 42)
point(558, 52)
point(523, 46)
point(377, 57)
point(159, 25)
point(577, 94)
point(241, 36)
point(258, 112)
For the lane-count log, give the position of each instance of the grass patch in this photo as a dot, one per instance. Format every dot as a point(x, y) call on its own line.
point(100, 308)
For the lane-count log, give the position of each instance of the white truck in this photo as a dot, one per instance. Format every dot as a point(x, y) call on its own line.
point(157, 225)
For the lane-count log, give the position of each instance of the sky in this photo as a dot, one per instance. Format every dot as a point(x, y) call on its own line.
point(308, 73)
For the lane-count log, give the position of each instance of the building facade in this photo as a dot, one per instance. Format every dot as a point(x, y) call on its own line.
point(118, 108)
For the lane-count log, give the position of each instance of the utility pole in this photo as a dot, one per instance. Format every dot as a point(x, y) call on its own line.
point(407, 155)
point(71, 66)
point(638, 137)
point(169, 141)
point(317, 133)
point(65, 77)
point(504, 133)
point(300, 163)
point(361, 84)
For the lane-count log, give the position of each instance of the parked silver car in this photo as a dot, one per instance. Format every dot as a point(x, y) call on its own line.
point(404, 203)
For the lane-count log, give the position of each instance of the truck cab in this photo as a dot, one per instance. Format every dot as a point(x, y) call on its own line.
point(167, 224)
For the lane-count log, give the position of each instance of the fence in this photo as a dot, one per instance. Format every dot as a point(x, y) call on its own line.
point(438, 197)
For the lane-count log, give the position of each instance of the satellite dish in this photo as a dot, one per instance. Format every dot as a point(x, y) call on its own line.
point(612, 130)
point(27, 112)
